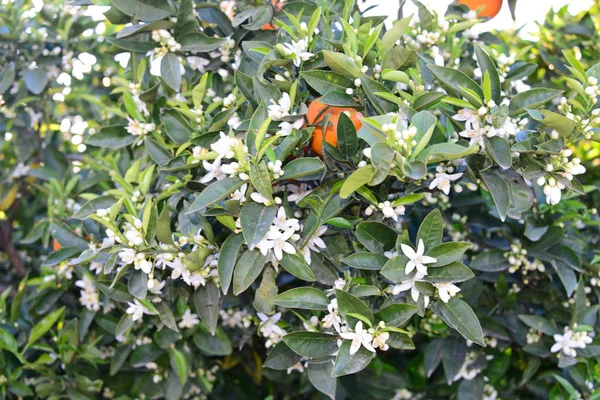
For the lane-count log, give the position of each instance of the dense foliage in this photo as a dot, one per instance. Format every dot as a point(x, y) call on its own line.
point(294, 200)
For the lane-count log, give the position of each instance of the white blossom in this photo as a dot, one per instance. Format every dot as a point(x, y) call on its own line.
point(417, 259)
point(360, 337)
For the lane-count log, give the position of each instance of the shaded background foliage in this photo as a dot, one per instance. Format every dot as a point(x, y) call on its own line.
point(54, 347)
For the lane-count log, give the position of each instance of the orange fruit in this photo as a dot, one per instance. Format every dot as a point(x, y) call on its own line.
point(55, 245)
point(316, 113)
point(489, 8)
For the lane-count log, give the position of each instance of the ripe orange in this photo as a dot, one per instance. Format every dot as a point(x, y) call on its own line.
point(489, 8)
point(55, 245)
point(316, 113)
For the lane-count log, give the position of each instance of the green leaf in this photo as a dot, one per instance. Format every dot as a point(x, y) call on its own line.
point(281, 357)
point(138, 284)
point(372, 88)
point(261, 180)
point(382, 157)
point(375, 236)
point(320, 375)
point(263, 297)
point(341, 64)
point(217, 345)
point(427, 99)
point(445, 151)
point(454, 272)
point(145, 10)
point(365, 260)
point(459, 81)
point(304, 169)
point(166, 316)
point(170, 71)
point(215, 192)
point(431, 230)
point(9, 343)
point(532, 98)
point(346, 136)
point(228, 255)
point(311, 344)
point(60, 255)
point(111, 137)
point(563, 125)
point(499, 150)
point(163, 227)
point(540, 324)
point(499, 189)
point(459, 316)
point(295, 265)
point(396, 314)
point(256, 219)
point(247, 269)
point(447, 253)
point(43, 326)
point(394, 34)
point(326, 81)
point(394, 269)
point(7, 77)
point(177, 127)
point(350, 304)
point(491, 261)
point(307, 298)
point(346, 364)
point(338, 99)
point(206, 300)
point(486, 64)
point(36, 80)
point(179, 365)
point(356, 180)
point(425, 122)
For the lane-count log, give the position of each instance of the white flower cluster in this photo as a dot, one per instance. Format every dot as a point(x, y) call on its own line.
point(593, 91)
point(552, 186)
point(417, 260)
point(280, 236)
point(137, 128)
point(532, 336)
point(235, 318)
point(517, 258)
point(88, 295)
point(468, 371)
point(224, 51)
point(167, 42)
point(569, 341)
point(225, 148)
point(444, 177)
point(425, 38)
point(404, 138)
point(388, 210)
point(297, 51)
point(587, 124)
point(136, 91)
point(192, 278)
point(479, 124)
point(269, 329)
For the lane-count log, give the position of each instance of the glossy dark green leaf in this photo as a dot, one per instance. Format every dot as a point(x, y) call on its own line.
point(307, 298)
point(256, 219)
point(227, 259)
point(311, 344)
point(206, 300)
point(247, 269)
point(215, 192)
point(459, 316)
